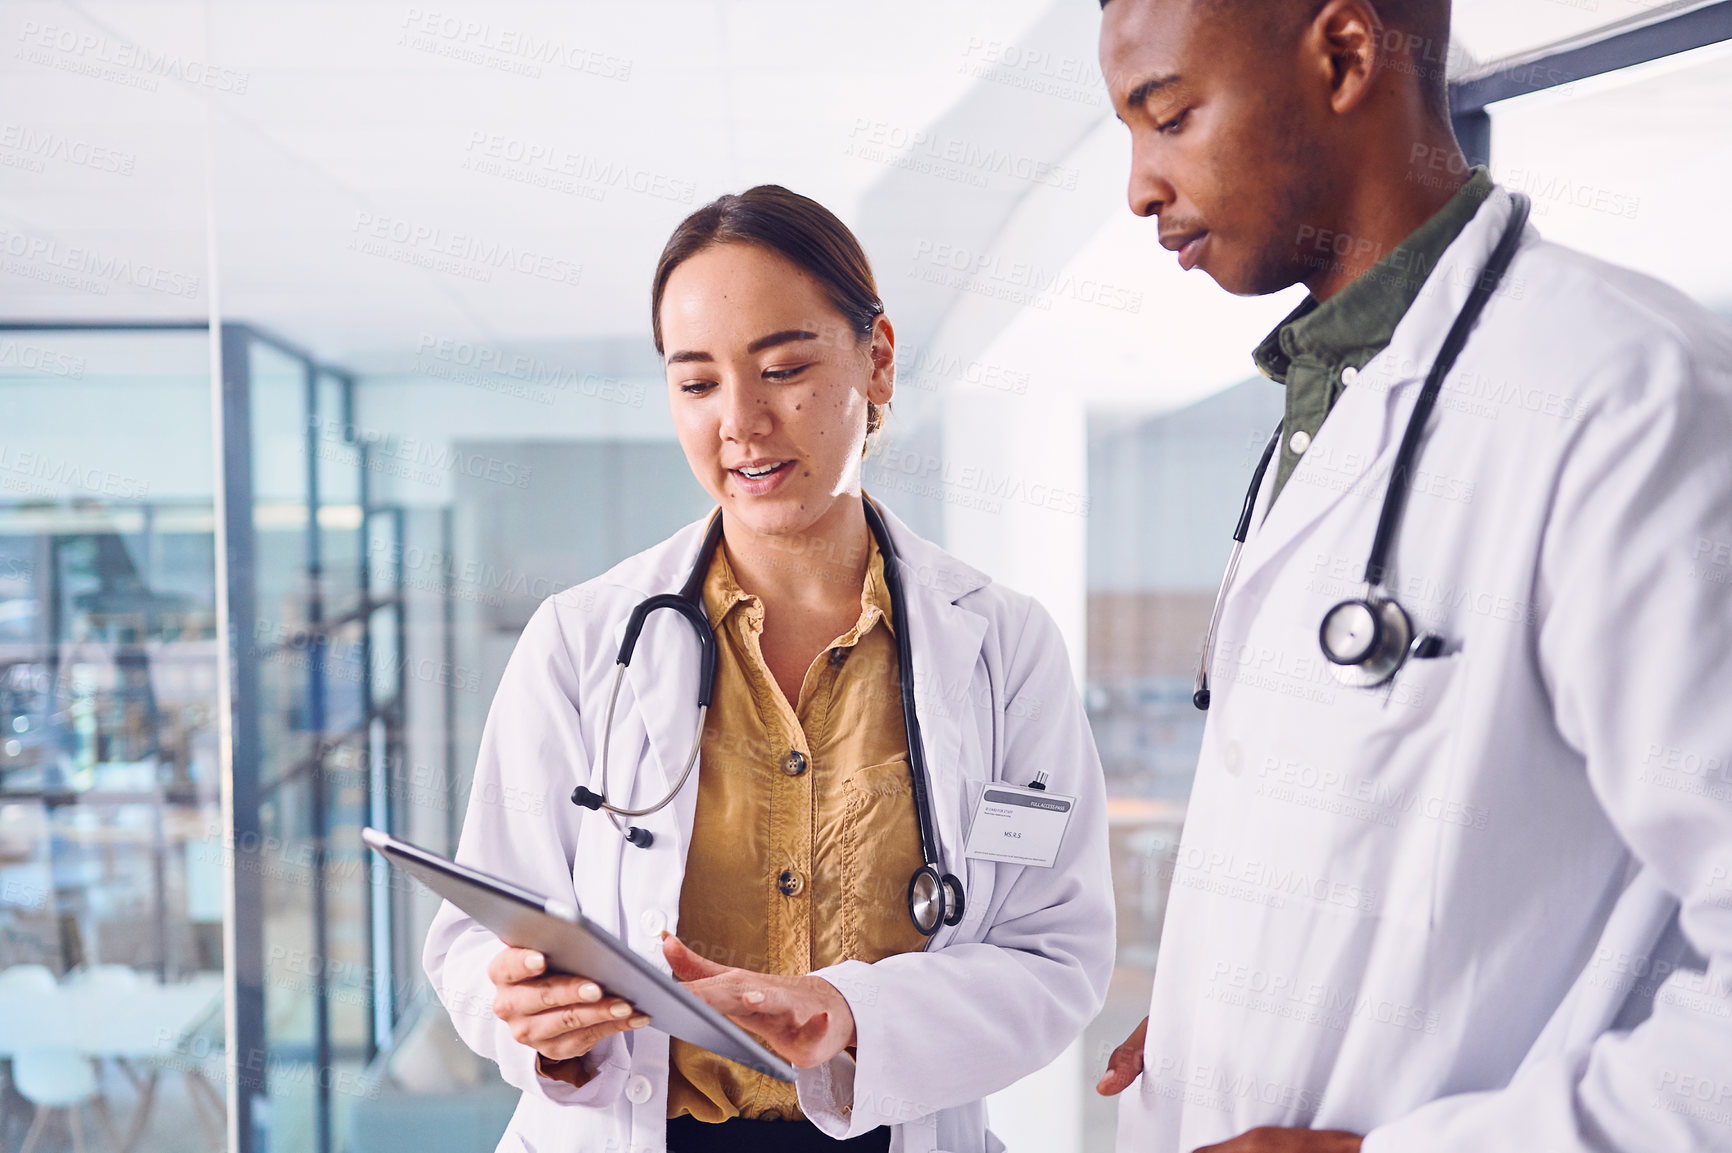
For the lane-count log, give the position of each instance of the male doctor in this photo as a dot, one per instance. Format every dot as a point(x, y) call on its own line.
point(1485, 905)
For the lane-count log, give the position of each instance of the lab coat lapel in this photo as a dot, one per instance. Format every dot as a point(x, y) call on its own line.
point(946, 641)
point(1351, 456)
point(1350, 446)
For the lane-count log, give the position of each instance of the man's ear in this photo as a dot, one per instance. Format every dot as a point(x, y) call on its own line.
point(1345, 42)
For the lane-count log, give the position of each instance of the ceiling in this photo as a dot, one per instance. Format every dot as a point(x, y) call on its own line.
point(371, 179)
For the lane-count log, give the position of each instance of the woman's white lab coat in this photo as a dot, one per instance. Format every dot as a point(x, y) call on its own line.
point(1445, 913)
point(992, 999)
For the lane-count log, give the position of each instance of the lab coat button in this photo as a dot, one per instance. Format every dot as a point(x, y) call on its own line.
point(653, 921)
point(1235, 757)
point(794, 763)
point(637, 1089)
point(1301, 441)
point(1349, 375)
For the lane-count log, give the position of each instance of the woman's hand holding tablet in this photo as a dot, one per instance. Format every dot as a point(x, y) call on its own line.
point(558, 1015)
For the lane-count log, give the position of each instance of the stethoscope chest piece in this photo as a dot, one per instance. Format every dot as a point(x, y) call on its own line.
point(934, 900)
point(1366, 640)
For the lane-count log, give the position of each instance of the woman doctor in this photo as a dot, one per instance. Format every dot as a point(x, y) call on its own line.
point(777, 881)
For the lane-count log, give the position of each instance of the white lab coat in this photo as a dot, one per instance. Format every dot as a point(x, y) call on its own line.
point(991, 1000)
point(1445, 913)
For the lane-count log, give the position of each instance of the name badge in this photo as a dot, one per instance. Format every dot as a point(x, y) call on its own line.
point(1019, 826)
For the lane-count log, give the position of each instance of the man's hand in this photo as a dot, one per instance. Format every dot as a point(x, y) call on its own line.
point(557, 1015)
point(1125, 1064)
point(802, 1018)
point(1289, 1141)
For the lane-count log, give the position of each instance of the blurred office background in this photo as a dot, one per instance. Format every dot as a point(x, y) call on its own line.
point(325, 356)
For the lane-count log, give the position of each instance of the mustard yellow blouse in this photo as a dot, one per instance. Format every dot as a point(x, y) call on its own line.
point(804, 837)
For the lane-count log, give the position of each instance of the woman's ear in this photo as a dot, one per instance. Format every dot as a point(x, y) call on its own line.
point(882, 385)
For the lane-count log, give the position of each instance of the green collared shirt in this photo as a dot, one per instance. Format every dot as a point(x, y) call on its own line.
point(1320, 348)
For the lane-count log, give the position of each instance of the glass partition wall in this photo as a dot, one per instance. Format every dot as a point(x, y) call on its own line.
point(312, 613)
point(113, 838)
point(111, 909)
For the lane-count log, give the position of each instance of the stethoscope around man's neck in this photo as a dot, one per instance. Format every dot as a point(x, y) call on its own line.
point(934, 897)
point(1366, 639)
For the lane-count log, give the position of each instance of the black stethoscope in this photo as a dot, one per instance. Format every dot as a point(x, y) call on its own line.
point(1367, 639)
point(934, 897)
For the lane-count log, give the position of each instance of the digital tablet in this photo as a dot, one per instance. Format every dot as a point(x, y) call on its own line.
point(573, 944)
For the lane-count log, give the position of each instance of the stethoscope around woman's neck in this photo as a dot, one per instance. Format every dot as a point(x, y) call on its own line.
point(1366, 639)
point(934, 896)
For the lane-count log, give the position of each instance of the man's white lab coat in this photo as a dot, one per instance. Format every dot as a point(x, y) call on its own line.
point(1446, 913)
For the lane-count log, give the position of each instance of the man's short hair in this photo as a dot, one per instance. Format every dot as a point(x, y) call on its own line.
point(1422, 25)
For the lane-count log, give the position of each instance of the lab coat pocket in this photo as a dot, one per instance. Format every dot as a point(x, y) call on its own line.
point(1402, 778)
point(1344, 817)
point(880, 850)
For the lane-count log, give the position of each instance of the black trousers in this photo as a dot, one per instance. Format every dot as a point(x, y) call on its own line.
point(686, 1134)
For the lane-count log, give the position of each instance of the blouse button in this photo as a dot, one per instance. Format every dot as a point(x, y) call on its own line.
point(794, 763)
point(790, 883)
point(638, 1089)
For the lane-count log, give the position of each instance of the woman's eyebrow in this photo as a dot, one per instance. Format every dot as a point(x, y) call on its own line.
point(784, 337)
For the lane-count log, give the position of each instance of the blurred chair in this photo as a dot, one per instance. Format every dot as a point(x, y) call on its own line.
point(116, 979)
point(54, 1079)
point(28, 980)
point(22, 984)
point(113, 981)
